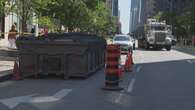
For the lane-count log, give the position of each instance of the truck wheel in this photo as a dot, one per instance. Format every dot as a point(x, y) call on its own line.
point(168, 48)
point(159, 48)
point(146, 46)
point(133, 46)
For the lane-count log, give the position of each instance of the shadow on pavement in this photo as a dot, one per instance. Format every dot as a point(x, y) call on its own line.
point(151, 49)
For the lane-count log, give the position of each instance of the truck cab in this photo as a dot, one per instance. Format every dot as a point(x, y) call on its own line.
point(157, 35)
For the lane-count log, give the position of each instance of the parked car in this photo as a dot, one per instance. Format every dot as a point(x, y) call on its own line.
point(125, 41)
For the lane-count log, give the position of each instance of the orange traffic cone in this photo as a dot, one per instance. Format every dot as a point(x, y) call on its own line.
point(128, 63)
point(16, 72)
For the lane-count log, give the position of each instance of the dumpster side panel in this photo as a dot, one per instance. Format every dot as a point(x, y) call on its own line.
point(27, 64)
point(77, 65)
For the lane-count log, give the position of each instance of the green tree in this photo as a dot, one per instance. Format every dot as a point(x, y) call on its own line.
point(183, 22)
point(193, 19)
point(84, 15)
point(47, 22)
point(81, 14)
point(158, 16)
point(26, 9)
point(2, 5)
point(6, 7)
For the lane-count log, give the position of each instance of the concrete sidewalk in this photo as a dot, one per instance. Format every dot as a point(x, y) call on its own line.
point(186, 49)
point(7, 58)
point(6, 68)
point(4, 51)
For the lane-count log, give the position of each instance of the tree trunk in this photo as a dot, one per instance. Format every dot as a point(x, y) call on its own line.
point(3, 21)
point(24, 18)
point(24, 25)
point(2, 26)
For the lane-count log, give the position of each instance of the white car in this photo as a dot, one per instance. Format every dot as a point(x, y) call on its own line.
point(125, 41)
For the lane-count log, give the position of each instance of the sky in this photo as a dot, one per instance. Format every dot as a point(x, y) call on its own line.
point(124, 7)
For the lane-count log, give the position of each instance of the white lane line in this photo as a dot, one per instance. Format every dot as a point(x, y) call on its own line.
point(131, 85)
point(189, 61)
point(119, 98)
point(138, 69)
point(13, 102)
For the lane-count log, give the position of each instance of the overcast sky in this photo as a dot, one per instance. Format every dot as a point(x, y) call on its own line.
point(124, 6)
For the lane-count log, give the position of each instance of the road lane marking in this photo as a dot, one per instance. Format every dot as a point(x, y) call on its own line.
point(131, 85)
point(189, 61)
point(118, 98)
point(58, 96)
point(13, 102)
point(138, 69)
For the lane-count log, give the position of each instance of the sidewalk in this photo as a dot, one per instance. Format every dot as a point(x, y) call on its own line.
point(186, 49)
point(6, 68)
point(4, 43)
point(7, 58)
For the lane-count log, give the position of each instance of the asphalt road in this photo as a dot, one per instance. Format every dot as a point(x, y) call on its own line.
point(161, 80)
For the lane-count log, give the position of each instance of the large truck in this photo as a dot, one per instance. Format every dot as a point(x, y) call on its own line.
point(156, 35)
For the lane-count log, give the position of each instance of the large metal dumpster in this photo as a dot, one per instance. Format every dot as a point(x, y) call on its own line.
point(68, 55)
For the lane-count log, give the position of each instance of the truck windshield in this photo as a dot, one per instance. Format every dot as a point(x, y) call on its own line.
point(158, 28)
point(121, 38)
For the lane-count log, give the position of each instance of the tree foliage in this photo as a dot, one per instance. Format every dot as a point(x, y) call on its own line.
point(2, 5)
point(158, 15)
point(83, 15)
point(193, 19)
point(182, 23)
point(5, 7)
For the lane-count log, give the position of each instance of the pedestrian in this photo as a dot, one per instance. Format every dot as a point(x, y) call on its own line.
point(32, 31)
point(12, 37)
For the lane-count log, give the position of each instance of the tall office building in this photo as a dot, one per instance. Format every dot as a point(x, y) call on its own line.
point(143, 9)
point(176, 6)
point(139, 12)
point(113, 6)
point(135, 8)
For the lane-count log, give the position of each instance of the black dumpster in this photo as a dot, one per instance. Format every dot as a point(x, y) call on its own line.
point(68, 55)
